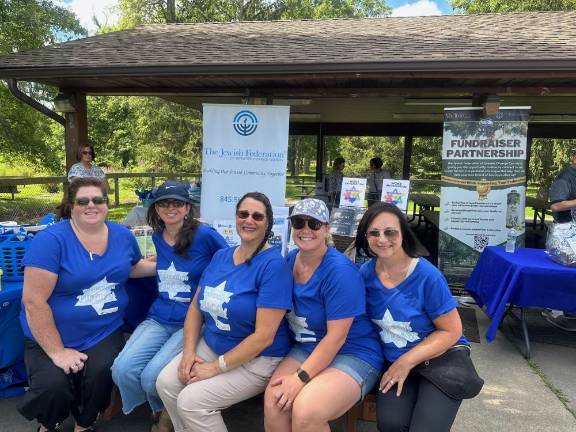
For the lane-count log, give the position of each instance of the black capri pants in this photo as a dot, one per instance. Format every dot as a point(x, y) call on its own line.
point(53, 395)
point(421, 407)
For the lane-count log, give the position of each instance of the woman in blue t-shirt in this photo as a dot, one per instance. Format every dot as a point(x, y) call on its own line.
point(337, 357)
point(241, 302)
point(74, 301)
point(409, 300)
point(184, 247)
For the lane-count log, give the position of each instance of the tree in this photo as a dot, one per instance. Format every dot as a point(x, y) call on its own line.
point(25, 134)
point(490, 6)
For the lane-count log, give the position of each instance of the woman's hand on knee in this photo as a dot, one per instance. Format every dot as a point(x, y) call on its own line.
point(203, 370)
point(186, 365)
point(285, 390)
point(69, 360)
point(395, 376)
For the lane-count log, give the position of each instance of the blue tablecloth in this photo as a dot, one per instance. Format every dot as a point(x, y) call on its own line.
point(11, 337)
point(525, 278)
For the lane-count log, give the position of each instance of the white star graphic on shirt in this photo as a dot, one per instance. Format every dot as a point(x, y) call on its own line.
point(173, 282)
point(300, 328)
point(397, 332)
point(97, 296)
point(213, 303)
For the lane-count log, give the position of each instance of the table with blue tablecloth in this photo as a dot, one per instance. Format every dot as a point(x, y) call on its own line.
point(523, 279)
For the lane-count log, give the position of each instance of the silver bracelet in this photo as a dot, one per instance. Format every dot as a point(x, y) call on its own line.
point(222, 363)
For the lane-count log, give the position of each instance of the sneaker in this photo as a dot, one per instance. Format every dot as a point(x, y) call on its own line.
point(552, 313)
point(563, 323)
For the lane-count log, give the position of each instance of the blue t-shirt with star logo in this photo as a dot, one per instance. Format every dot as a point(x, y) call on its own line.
point(89, 299)
point(230, 294)
point(178, 276)
point(405, 314)
point(334, 291)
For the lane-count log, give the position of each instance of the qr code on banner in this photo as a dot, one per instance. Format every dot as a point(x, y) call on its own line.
point(480, 242)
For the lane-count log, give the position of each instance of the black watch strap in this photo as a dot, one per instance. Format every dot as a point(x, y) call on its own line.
point(303, 375)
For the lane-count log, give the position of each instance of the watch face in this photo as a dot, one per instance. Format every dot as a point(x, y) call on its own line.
point(303, 375)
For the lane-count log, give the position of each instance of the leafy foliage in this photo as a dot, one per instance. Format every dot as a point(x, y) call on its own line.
point(26, 136)
point(489, 6)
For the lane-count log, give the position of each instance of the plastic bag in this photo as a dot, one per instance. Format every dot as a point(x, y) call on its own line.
point(561, 243)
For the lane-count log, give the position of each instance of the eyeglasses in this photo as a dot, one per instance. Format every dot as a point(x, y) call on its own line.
point(389, 233)
point(300, 222)
point(88, 152)
point(97, 200)
point(171, 203)
point(244, 214)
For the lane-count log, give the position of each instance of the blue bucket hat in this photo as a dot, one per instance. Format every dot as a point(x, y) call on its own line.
point(313, 208)
point(171, 189)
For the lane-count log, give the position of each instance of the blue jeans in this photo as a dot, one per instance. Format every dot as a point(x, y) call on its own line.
point(151, 347)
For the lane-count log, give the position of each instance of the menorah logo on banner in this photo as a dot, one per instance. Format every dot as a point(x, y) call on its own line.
point(245, 123)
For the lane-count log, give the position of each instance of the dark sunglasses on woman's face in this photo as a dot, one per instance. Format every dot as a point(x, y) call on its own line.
point(300, 222)
point(87, 152)
point(389, 233)
point(244, 214)
point(171, 203)
point(97, 200)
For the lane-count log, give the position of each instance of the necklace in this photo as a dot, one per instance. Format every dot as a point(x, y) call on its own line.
point(92, 246)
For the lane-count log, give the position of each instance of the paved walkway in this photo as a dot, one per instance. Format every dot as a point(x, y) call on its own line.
point(539, 395)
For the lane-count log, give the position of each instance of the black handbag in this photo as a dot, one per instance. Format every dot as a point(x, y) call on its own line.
point(453, 373)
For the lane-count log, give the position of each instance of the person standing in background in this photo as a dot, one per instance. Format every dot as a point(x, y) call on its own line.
point(563, 205)
point(334, 180)
point(374, 180)
point(85, 166)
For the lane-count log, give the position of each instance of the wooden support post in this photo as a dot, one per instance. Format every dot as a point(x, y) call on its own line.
point(408, 141)
point(76, 129)
point(153, 182)
point(320, 151)
point(528, 153)
point(116, 191)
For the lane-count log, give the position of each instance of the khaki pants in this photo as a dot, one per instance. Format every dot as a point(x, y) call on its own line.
point(197, 406)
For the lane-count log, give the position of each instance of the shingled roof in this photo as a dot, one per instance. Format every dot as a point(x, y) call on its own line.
point(541, 41)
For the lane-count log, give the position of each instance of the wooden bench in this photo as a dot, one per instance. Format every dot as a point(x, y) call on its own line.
point(10, 189)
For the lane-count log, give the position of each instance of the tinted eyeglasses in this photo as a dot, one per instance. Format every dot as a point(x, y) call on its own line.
point(171, 203)
point(87, 152)
point(299, 223)
point(389, 233)
point(97, 200)
point(245, 214)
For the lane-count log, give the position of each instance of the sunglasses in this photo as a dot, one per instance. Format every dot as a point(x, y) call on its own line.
point(300, 222)
point(97, 200)
point(87, 153)
point(244, 214)
point(389, 233)
point(171, 203)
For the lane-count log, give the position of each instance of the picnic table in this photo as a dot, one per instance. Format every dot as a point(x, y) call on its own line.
point(427, 205)
point(540, 208)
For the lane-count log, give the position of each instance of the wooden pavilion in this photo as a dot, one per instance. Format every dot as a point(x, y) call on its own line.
point(372, 76)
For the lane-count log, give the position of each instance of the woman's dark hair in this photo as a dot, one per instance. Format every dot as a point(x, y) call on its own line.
point(338, 161)
point(409, 242)
point(186, 233)
point(260, 197)
point(64, 210)
point(376, 163)
point(81, 149)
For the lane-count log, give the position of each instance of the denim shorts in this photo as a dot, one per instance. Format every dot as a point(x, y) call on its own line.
point(363, 373)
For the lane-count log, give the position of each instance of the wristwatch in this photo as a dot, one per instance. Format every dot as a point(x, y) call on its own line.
point(303, 375)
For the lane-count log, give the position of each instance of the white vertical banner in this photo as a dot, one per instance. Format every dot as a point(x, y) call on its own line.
point(245, 150)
